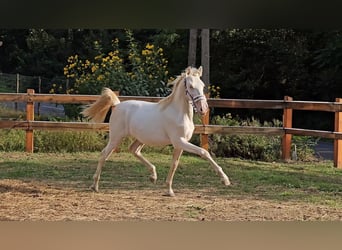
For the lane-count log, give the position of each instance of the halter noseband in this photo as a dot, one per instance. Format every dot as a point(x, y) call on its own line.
point(193, 98)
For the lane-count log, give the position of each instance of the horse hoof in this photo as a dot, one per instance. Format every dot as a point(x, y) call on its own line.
point(153, 179)
point(93, 188)
point(169, 194)
point(226, 181)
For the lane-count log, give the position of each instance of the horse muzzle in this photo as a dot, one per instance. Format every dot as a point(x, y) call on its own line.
point(201, 105)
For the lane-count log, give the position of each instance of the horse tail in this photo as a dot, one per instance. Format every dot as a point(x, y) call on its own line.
point(98, 110)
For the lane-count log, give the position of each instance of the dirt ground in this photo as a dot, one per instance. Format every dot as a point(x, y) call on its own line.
point(35, 201)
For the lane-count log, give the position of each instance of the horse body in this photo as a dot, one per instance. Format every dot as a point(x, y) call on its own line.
point(168, 122)
point(140, 122)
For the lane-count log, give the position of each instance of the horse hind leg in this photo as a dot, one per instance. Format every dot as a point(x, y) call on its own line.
point(136, 148)
point(106, 152)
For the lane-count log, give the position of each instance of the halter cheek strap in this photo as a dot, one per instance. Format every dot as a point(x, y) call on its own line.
point(193, 98)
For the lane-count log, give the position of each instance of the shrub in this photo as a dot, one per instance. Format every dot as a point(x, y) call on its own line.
point(136, 71)
point(254, 147)
point(69, 141)
point(12, 140)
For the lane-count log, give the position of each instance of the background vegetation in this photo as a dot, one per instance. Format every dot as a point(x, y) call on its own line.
point(253, 147)
point(245, 63)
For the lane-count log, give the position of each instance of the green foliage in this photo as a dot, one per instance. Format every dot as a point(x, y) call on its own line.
point(303, 146)
point(255, 147)
point(245, 63)
point(12, 140)
point(138, 72)
point(68, 141)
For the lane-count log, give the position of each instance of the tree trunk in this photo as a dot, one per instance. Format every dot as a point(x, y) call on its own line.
point(192, 47)
point(205, 56)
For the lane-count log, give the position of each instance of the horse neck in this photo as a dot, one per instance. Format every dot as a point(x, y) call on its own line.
point(181, 103)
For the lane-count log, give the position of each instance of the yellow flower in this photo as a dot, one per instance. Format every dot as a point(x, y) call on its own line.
point(100, 77)
point(70, 59)
point(145, 52)
point(149, 46)
point(93, 68)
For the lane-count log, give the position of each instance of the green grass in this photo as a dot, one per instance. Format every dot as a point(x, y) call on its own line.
point(315, 183)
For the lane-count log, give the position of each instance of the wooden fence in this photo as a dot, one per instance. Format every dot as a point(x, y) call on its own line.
point(286, 132)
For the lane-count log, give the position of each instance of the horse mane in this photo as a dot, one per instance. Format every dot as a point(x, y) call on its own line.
point(175, 83)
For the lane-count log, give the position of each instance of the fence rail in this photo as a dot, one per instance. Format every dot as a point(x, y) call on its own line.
point(287, 105)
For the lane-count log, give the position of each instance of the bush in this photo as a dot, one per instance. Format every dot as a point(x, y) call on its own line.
point(69, 141)
point(137, 71)
point(255, 147)
point(12, 140)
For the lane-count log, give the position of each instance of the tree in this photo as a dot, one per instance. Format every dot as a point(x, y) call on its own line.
point(205, 56)
point(192, 47)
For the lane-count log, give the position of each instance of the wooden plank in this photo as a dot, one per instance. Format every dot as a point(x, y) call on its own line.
point(46, 125)
point(210, 129)
point(315, 133)
point(140, 98)
point(245, 103)
point(212, 102)
point(8, 124)
point(56, 98)
point(314, 106)
point(231, 130)
point(74, 126)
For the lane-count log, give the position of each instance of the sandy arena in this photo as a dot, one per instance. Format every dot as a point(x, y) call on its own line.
point(34, 201)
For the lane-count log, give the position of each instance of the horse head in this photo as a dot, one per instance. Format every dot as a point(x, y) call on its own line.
point(194, 89)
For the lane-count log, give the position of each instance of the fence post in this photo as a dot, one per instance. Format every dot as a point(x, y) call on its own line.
point(17, 90)
point(39, 91)
point(204, 138)
point(29, 117)
point(287, 138)
point(337, 142)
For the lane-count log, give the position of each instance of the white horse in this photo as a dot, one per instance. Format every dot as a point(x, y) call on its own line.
point(170, 121)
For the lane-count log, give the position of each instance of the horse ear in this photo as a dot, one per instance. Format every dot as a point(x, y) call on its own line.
point(200, 70)
point(188, 71)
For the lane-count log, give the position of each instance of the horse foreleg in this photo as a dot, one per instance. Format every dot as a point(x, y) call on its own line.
point(106, 152)
point(187, 146)
point(135, 148)
point(177, 152)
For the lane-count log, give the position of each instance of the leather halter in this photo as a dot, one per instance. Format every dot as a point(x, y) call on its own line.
point(193, 98)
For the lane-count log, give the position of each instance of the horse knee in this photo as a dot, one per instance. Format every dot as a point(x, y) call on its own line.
point(133, 149)
point(135, 152)
point(204, 154)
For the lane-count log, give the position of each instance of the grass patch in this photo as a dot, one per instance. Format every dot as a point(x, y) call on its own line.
point(315, 183)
